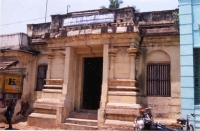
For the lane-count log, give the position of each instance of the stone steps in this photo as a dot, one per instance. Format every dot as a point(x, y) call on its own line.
point(53, 86)
point(52, 91)
point(83, 115)
point(42, 120)
point(54, 80)
point(48, 106)
point(69, 126)
point(81, 120)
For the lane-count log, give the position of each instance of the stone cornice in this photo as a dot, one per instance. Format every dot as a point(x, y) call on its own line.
point(158, 41)
point(94, 39)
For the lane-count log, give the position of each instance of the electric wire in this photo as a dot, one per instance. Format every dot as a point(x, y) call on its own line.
point(25, 20)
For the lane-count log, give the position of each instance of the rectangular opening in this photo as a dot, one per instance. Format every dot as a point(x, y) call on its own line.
point(158, 79)
point(41, 75)
point(92, 82)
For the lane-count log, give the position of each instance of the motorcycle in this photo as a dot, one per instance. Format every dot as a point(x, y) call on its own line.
point(145, 122)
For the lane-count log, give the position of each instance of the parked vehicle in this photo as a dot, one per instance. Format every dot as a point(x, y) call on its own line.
point(145, 122)
point(186, 125)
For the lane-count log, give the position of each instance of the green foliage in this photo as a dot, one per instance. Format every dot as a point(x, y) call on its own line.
point(114, 4)
point(103, 7)
point(176, 19)
point(136, 10)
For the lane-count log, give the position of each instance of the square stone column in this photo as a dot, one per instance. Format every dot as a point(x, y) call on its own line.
point(112, 54)
point(132, 53)
point(104, 89)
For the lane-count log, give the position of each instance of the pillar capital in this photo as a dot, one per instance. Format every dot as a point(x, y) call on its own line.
point(62, 53)
point(113, 51)
point(132, 50)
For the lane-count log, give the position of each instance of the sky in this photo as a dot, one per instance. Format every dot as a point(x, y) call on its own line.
point(16, 14)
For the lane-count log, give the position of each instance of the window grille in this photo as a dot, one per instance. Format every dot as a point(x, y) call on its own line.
point(197, 76)
point(158, 80)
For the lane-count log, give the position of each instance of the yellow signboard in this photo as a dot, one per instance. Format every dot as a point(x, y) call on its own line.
point(1, 82)
point(13, 83)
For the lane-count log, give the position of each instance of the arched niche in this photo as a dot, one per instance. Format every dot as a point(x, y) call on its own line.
point(157, 56)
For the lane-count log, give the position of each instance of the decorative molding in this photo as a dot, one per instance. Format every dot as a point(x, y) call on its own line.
point(132, 50)
point(113, 51)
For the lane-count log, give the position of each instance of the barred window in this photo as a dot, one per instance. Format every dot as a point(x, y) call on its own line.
point(41, 75)
point(158, 79)
point(197, 76)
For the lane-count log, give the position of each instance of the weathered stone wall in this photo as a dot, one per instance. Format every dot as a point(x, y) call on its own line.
point(38, 30)
point(27, 61)
point(161, 49)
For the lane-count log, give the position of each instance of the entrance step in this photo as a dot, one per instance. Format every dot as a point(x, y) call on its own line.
point(42, 120)
point(48, 101)
point(51, 91)
point(68, 126)
point(50, 95)
point(54, 81)
point(81, 120)
point(83, 115)
point(48, 106)
point(53, 86)
point(117, 125)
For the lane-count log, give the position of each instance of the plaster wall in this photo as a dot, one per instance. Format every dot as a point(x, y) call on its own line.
point(13, 41)
point(27, 61)
point(167, 106)
point(41, 60)
point(189, 39)
point(57, 66)
point(122, 64)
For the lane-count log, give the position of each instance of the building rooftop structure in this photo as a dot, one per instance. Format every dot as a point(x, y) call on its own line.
point(103, 21)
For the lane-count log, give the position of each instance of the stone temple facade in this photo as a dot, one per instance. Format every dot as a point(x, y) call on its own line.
point(97, 68)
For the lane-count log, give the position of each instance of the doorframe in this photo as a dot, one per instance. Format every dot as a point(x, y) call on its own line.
point(79, 91)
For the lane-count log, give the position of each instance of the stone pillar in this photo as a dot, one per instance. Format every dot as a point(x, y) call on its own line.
point(112, 54)
point(50, 58)
point(137, 65)
point(66, 70)
point(132, 65)
point(104, 91)
point(132, 53)
point(63, 56)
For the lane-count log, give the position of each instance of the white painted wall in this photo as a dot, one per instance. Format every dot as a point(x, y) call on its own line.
point(13, 41)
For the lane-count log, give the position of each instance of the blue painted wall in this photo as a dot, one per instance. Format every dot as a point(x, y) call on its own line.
point(189, 16)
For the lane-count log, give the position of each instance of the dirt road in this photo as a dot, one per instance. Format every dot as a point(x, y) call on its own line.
point(21, 125)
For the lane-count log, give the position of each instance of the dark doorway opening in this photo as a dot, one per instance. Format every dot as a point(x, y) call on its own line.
point(41, 76)
point(92, 82)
